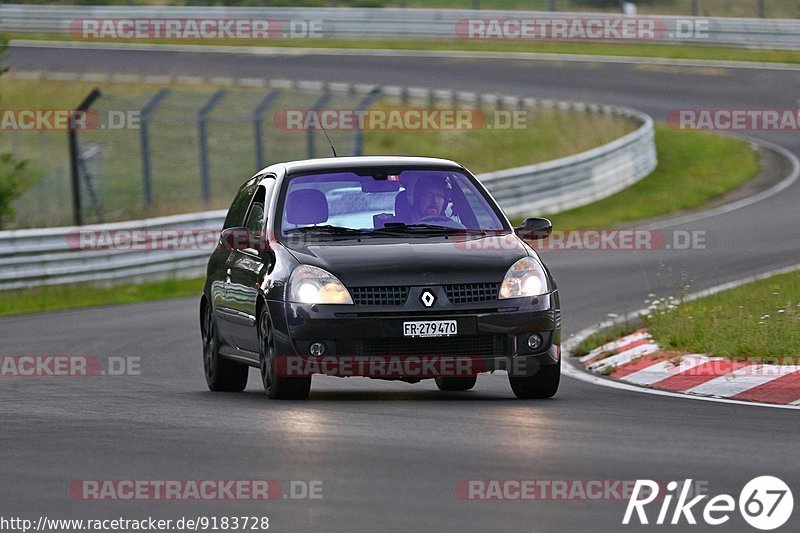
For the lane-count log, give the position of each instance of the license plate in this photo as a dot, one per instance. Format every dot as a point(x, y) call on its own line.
point(430, 328)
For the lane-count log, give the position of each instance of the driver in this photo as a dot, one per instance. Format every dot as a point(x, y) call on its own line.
point(430, 196)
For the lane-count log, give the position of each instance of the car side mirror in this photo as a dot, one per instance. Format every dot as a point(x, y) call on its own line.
point(534, 229)
point(243, 240)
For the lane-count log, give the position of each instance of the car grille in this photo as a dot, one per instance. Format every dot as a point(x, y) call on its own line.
point(379, 295)
point(465, 345)
point(462, 293)
point(402, 313)
point(471, 292)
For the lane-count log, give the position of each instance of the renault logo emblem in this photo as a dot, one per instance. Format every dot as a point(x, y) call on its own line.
point(427, 298)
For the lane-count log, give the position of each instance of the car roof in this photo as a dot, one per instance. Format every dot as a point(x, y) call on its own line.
point(343, 163)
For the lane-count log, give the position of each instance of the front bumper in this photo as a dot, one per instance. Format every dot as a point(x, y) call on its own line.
point(369, 340)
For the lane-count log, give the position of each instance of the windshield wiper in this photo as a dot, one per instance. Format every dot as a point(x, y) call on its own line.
point(400, 227)
point(326, 228)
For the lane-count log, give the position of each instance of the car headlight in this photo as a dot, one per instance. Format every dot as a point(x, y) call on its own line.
point(312, 285)
point(525, 278)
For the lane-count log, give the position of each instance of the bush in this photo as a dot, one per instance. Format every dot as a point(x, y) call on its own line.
point(3, 50)
point(11, 170)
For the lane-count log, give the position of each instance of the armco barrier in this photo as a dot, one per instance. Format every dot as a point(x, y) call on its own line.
point(357, 23)
point(34, 257)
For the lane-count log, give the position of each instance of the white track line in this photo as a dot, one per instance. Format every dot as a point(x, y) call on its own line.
point(614, 345)
point(624, 357)
point(569, 369)
point(666, 369)
point(741, 380)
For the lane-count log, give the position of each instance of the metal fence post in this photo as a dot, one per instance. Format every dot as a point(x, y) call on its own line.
point(144, 139)
point(202, 119)
point(364, 104)
point(258, 112)
point(74, 155)
point(321, 101)
point(83, 158)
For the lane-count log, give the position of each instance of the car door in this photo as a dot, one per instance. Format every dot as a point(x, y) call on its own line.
point(246, 265)
point(220, 274)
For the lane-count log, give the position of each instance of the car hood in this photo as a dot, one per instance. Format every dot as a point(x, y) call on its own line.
point(414, 261)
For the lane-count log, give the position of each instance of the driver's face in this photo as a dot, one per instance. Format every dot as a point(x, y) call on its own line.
point(430, 202)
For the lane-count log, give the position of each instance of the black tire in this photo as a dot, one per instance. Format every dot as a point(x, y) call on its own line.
point(456, 384)
point(543, 384)
point(222, 374)
point(277, 387)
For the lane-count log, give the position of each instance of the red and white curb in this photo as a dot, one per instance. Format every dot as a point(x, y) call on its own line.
point(638, 360)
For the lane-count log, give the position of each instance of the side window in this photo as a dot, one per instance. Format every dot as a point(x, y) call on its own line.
point(255, 218)
point(238, 208)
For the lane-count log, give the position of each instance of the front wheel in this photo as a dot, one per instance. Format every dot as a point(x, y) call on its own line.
point(456, 384)
point(543, 384)
point(222, 374)
point(278, 387)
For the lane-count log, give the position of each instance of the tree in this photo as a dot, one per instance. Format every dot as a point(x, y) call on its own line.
point(11, 167)
point(3, 50)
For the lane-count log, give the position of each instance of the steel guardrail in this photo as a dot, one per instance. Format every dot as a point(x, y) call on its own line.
point(404, 23)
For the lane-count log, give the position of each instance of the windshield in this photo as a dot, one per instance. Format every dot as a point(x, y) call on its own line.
point(413, 200)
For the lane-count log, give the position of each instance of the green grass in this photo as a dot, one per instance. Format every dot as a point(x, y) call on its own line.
point(693, 168)
point(757, 320)
point(41, 299)
point(548, 134)
point(667, 51)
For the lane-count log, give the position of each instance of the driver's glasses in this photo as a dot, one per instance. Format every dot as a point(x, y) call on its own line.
point(432, 196)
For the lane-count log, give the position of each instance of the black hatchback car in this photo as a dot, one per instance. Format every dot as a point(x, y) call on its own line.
point(384, 267)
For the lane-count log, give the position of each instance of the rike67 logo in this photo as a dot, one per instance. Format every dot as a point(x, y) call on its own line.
point(765, 503)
